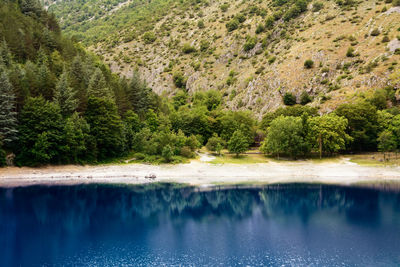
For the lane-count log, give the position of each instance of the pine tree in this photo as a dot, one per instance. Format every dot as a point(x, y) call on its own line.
point(8, 116)
point(5, 54)
point(64, 96)
point(98, 86)
point(138, 94)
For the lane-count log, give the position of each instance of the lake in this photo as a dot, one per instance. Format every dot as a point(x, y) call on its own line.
point(164, 225)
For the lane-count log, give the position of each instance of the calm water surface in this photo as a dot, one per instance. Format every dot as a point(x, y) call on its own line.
point(291, 225)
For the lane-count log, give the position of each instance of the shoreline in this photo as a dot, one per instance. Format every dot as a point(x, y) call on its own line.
point(203, 174)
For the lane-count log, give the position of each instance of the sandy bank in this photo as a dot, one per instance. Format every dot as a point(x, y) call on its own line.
point(202, 173)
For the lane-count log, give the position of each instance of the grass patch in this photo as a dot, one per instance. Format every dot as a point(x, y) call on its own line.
point(242, 159)
point(376, 159)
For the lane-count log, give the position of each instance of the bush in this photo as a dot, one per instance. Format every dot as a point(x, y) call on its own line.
point(375, 32)
point(186, 152)
point(350, 52)
point(305, 98)
point(250, 43)
point(187, 49)
point(317, 6)
point(289, 99)
point(149, 37)
point(179, 80)
point(396, 2)
point(232, 25)
point(260, 28)
point(200, 24)
point(308, 64)
point(224, 7)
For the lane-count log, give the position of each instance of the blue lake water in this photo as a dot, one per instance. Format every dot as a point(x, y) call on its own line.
point(166, 225)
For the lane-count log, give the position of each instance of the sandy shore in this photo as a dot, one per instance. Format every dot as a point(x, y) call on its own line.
point(201, 173)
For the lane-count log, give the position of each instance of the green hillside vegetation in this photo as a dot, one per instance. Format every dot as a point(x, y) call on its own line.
point(61, 104)
point(334, 51)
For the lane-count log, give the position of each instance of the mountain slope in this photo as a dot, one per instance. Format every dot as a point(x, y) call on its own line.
point(253, 52)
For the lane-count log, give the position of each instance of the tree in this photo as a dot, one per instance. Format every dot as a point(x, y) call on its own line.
point(76, 138)
point(215, 144)
point(64, 96)
point(286, 135)
point(167, 153)
point(386, 142)
point(138, 94)
point(327, 133)
point(8, 116)
point(98, 86)
point(362, 124)
point(105, 126)
point(238, 143)
point(40, 131)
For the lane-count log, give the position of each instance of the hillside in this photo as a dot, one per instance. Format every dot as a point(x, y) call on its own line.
point(252, 51)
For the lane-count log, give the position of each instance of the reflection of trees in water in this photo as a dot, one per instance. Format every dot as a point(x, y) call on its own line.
point(74, 207)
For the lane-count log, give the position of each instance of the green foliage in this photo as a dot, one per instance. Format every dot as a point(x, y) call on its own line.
point(8, 116)
point(232, 25)
point(375, 32)
point(40, 128)
point(350, 52)
point(286, 136)
point(215, 144)
point(294, 111)
point(362, 124)
point(238, 143)
point(187, 48)
point(305, 98)
point(327, 133)
point(98, 86)
point(77, 143)
point(106, 127)
point(289, 99)
point(386, 141)
point(149, 37)
point(317, 6)
point(308, 64)
point(250, 43)
point(179, 80)
point(64, 96)
point(167, 153)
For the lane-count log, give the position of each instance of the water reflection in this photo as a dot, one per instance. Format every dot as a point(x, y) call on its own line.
point(169, 224)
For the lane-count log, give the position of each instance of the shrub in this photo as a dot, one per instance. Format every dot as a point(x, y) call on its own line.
point(179, 80)
point(308, 64)
point(375, 32)
point(250, 43)
point(385, 39)
point(260, 28)
point(187, 49)
point(186, 152)
point(149, 37)
point(200, 24)
point(350, 52)
point(224, 7)
point(396, 2)
point(232, 25)
point(289, 99)
point(317, 6)
point(305, 98)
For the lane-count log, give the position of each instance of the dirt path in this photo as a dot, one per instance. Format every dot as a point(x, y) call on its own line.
point(201, 173)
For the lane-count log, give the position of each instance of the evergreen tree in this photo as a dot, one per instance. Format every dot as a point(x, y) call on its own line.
point(64, 96)
point(79, 80)
point(76, 138)
point(138, 94)
point(98, 86)
point(41, 132)
point(46, 82)
point(106, 127)
point(5, 54)
point(8, 116)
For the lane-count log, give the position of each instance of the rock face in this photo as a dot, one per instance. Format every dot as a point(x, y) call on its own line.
point(352, 47)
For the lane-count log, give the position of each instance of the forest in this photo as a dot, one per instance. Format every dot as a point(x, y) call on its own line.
point(61, 104)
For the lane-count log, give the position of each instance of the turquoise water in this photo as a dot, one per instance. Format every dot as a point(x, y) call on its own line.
point(164, 225)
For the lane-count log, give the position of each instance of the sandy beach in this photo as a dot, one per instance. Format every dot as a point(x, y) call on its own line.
point(202, 173)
